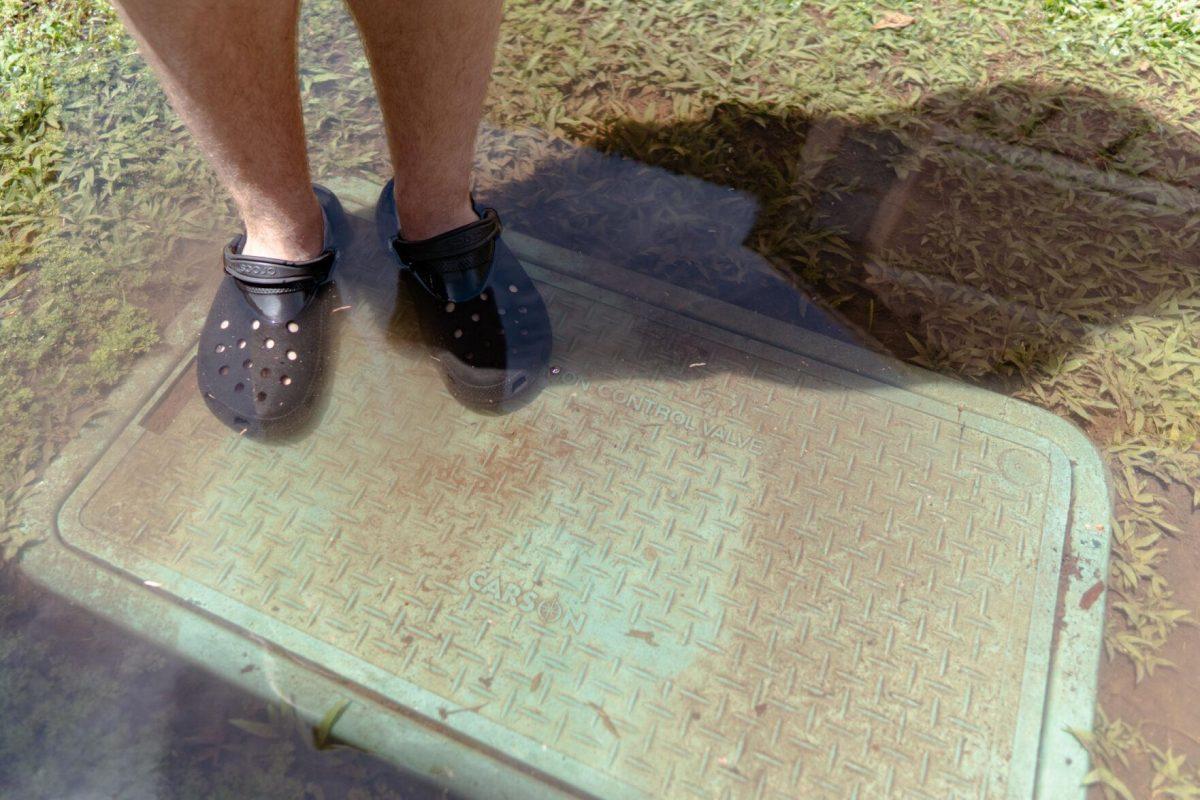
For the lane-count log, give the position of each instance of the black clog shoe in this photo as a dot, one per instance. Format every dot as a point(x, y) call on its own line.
point(478, 311)
point(263, 353)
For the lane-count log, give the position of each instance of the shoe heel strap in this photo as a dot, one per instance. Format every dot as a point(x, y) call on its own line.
point(275, 271)
point(460, 249)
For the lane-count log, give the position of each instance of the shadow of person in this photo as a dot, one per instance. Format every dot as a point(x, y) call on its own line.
point(984, 234)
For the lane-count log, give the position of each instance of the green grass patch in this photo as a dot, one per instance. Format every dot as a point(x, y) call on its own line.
point(1127, 26)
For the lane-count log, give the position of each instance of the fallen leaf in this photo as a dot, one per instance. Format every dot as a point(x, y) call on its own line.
point(1091, 595)
point(645, 636)
point(893, 19)
point(444, 712)
point(605, 720)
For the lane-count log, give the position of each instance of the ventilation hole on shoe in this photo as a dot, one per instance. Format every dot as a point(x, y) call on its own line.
point(293, 327)
point(224, 370)
point(224, 324)
point(255, 325)
point(450, 308)
point(292, 355)
point(266, 373)
point(247, 364)
point(220, 348)
point(239, 387)
point(483, 296)
point(512, 287)
point(458, 333)
point(518, 383)
point(474, 318)
point(261, 397)
point(241, 344)
point(285, 380)
point(269, 343)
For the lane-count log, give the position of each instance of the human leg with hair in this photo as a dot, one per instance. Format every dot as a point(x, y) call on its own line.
point(479, 311)
point(229, 68)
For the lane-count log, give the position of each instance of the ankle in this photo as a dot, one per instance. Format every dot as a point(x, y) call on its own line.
point(285, 248)
point(426, 219)
point(300, 239)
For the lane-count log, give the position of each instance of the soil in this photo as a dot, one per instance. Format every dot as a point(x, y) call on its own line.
point(1167, 703)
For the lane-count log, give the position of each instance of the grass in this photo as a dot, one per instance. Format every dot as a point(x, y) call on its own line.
point(1132, 26)
point(67, 328)
point(727, 92)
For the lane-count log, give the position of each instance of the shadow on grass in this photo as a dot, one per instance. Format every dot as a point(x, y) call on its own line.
point(987, 235)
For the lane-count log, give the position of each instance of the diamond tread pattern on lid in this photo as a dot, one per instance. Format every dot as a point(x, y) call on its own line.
point(689, 565)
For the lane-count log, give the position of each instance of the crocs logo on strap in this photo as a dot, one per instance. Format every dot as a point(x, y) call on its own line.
point(276, 271)
point(256, 270)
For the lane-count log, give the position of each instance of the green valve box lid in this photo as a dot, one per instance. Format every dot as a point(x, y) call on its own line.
point(716, 556)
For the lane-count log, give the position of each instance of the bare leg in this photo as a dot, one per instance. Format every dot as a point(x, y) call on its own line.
point(229, 68)
point(431, 60)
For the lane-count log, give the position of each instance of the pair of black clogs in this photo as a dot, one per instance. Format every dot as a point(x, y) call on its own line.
point(264, 350)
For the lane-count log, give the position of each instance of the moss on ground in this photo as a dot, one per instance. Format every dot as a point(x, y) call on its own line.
point(727, 92)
